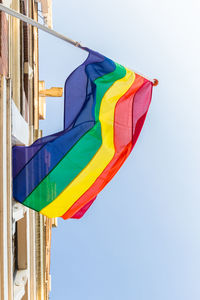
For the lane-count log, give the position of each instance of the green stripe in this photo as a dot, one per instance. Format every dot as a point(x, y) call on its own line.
point(79, 156)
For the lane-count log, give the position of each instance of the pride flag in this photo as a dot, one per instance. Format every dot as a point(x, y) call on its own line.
point(105, 106)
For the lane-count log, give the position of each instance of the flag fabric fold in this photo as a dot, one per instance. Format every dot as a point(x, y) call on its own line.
point(105, 106)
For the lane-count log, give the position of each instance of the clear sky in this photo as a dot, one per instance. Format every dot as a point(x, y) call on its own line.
point(141, 238)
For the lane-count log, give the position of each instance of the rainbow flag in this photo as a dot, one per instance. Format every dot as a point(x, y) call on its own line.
point(105, 106)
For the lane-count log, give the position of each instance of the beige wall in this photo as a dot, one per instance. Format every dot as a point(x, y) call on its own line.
point(33, 231)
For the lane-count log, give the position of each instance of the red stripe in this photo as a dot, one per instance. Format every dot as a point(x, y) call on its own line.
point(83, 210)
point(130, 113)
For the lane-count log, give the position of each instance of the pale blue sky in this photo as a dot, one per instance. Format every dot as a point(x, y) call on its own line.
point(141, 238)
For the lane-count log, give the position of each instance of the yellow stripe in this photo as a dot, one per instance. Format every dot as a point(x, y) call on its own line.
point(102, 158)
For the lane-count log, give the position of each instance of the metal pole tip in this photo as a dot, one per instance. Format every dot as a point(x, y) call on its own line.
point(155, 82)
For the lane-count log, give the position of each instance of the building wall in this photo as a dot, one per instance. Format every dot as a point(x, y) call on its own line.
point(25, 235)
point(3, 44)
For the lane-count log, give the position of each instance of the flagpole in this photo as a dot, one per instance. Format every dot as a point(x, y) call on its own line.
point(38, 25)
point(52, 32)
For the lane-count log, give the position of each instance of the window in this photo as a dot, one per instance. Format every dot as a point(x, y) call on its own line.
point(24, 63)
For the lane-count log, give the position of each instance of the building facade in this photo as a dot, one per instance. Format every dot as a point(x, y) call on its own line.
point(25, 235)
